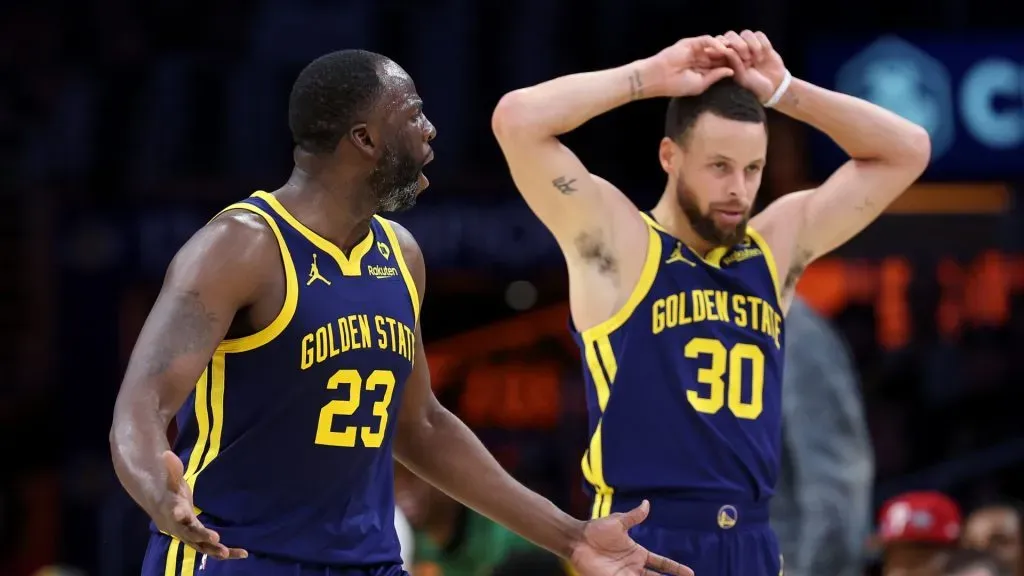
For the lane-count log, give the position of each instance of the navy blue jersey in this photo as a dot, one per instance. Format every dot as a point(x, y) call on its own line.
point(684, 382)
point(287, 438)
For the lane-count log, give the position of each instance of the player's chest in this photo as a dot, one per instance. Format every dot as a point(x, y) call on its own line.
point(355, 321)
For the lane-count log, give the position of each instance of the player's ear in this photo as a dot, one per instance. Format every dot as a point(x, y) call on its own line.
point(668, 152)
point(363, 140)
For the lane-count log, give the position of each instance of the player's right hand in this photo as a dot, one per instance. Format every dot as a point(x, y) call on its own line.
point(176, 515)
point(690, 66)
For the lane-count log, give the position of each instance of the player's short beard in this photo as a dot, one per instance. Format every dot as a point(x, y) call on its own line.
point(702, 223)
point(395, 180)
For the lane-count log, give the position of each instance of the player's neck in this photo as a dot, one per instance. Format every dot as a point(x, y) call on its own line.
point(670, 216)
point(336, 207)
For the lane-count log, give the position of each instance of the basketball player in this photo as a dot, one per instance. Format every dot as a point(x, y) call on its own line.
point(289, 384)
point(679, 311)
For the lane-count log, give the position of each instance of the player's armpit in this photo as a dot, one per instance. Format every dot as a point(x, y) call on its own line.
point(217, 272)
point(804, 226)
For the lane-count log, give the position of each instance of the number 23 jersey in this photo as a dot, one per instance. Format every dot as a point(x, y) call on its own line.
point(684, 382)
point(287, 438)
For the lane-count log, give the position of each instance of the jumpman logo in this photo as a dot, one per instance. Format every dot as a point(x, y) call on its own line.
point(314, 274)
point(202, 563)
point(677, 256)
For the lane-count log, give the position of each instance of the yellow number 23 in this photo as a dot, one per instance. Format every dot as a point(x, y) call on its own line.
point(346, 437)
point(722, 361)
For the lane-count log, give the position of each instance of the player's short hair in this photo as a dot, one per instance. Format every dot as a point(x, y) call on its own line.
point(962, 560)
point(724, 98)
point(330, 95)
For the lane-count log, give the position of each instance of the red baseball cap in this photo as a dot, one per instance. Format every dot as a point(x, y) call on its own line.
point(919, 517)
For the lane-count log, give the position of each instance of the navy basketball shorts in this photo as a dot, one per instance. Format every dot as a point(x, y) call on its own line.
point(168, 557)
point(712, 538)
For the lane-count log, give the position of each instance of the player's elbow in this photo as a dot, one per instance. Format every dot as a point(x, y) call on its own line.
point(513, 117)
point(918, 149)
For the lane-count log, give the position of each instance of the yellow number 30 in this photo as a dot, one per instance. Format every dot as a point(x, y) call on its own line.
point(346, 437)
point(714, 377)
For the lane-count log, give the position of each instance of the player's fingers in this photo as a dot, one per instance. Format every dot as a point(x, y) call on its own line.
point(717, 74)
point(636, 515)
point(663, 565)
point(763, 39)
point(196, 532)
point(714, 44)
point(756, 50)
point(213, 550)
point(733, 59)
point(738, 44)
point(237, 554)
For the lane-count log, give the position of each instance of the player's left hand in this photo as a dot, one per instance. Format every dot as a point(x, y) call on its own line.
point(756, 65)
point(605, 549)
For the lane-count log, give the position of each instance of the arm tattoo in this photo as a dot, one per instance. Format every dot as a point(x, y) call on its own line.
point(564, 184)
point(189, 332)
point(866, 204)
point(636, 86)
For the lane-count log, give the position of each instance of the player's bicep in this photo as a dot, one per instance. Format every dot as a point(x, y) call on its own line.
point(558, 188)
point(210, 278)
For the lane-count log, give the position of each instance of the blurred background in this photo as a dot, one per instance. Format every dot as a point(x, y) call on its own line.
point(126, 125)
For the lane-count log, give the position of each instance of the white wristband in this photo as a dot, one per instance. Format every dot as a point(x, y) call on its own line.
point(780, 91)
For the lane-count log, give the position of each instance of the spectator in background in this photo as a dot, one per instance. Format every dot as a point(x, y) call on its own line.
point(996, 528)
point(822, 506)
point(918, 532)
point(967, 562)
point(450, 539)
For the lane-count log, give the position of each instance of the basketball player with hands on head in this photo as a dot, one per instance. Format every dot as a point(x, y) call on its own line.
point(679, 312)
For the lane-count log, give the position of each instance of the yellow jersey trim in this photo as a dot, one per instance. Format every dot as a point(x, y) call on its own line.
point(769, 260)
point(291, 291)
point(209, 413)
point(640, 290)
point(396, 249)
point(603, 367)
point(350, 265)
point(714, 256)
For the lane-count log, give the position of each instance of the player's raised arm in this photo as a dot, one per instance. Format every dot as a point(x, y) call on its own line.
point(598, 229)
point(215, 274)
point(887, 154)
point(438, 447)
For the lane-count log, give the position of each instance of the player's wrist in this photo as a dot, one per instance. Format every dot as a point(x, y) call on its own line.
point(647, 78)
point(573, 534)
point(781, 86)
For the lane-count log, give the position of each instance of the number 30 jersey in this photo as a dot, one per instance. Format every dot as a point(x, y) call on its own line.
point(287, 438)
point(684, 382)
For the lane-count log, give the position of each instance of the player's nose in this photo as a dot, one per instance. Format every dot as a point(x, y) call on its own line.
point(429, 132)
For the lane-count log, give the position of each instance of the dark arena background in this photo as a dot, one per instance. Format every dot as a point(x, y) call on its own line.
point(126, 125)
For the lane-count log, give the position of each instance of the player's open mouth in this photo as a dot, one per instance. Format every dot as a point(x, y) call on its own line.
point(730, 216)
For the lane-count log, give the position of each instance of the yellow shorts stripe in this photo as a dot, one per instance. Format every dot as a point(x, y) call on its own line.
point(171, 564)
point(177, 551)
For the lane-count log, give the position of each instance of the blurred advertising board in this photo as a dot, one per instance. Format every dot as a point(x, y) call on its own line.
point(968, 92)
